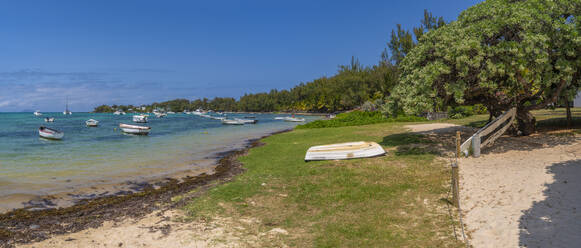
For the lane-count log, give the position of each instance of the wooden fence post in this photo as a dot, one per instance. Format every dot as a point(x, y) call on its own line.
point(458, 142)
point(455, 185)
point(455, 179)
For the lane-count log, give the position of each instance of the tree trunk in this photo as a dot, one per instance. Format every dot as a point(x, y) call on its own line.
point(568, 114)
point(526, 121)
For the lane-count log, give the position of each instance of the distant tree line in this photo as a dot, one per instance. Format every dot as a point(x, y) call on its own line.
point(351, 87)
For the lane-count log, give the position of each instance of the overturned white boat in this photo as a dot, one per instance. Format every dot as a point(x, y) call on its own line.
point(48, 119)
point(134, 129)
point(232, 122)
point(140, 118)
point(350, 150)
point(49, 133)
point(92, 123)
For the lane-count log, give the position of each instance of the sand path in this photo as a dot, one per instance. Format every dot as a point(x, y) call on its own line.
point(522, 192)
point(523, 198)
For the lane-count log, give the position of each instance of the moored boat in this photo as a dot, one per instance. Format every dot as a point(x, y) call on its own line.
point(48, 119)
point(67, 111)
point(140, 118)
point(232, 122)
point(159, 115)
point(49, 133)
point(92, 123)
point(246, 121)
point(350, 150)
point(294, 119)
point(37, 113)
point(134, 129)
point(119, 113)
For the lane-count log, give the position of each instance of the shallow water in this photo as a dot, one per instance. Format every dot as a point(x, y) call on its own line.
point(94, 156)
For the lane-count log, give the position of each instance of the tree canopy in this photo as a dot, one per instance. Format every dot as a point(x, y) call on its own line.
point(500, 53)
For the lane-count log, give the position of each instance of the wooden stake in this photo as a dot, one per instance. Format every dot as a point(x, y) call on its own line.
point(455, 185)
point(458, 142)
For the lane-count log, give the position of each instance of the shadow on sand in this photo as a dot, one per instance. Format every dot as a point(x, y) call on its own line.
point(555, 221)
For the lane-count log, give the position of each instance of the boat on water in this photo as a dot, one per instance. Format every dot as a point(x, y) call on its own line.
point(119, 113)
point(280, 118)
point(67, 111)
point(49, 133)
point(48, 119)
point(294, 119)
point(140, 118)
point(349, 150)
point(92, 123)
point(232, 122)
point(246, 121)
point(159, 115)
point(134, 129)
point(171, 113)
point(37, 113)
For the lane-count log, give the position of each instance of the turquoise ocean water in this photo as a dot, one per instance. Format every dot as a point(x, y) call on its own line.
point(91, 157)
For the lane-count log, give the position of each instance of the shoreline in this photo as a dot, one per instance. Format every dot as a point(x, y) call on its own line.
point(22, 225)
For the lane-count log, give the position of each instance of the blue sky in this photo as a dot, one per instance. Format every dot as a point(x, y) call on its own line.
point(139, 51)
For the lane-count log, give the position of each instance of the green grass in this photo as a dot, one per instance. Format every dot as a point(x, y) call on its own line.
point(390, 201)
point(358, 118)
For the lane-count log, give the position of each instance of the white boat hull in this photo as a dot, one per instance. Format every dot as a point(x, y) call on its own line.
point(245, 121)
point(293, 119)
point(232, 122)
point(344, 151)
point(92, 123)
point(50, 134)
point(140, 118)
point(134, 129)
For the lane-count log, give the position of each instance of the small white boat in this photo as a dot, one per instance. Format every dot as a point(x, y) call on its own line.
point(294, 119)
point(232, 122)
point(134, 129)
point(159, 115)
point(67, 111)
point(49, 133)
point(280, 118)
point(350, 150)
point(48, 119)
point(37, 113)
point(246, 121)
point(119, 113)
point(92, 123)
point(171, 113)
point(198, 112)
point(140, 118)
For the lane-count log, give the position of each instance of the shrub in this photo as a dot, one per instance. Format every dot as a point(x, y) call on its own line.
point(460, 112)
point(357, 118)
point(479, 109)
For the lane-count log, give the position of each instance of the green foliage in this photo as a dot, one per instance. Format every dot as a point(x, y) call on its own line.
point(357, 118)
point(103, 109)
point(479, 109)
point(499, 53)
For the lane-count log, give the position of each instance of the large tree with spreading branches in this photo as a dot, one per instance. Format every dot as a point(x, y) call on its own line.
point(500, 53)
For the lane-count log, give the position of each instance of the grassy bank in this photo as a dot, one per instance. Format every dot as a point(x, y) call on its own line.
point(393, 201)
